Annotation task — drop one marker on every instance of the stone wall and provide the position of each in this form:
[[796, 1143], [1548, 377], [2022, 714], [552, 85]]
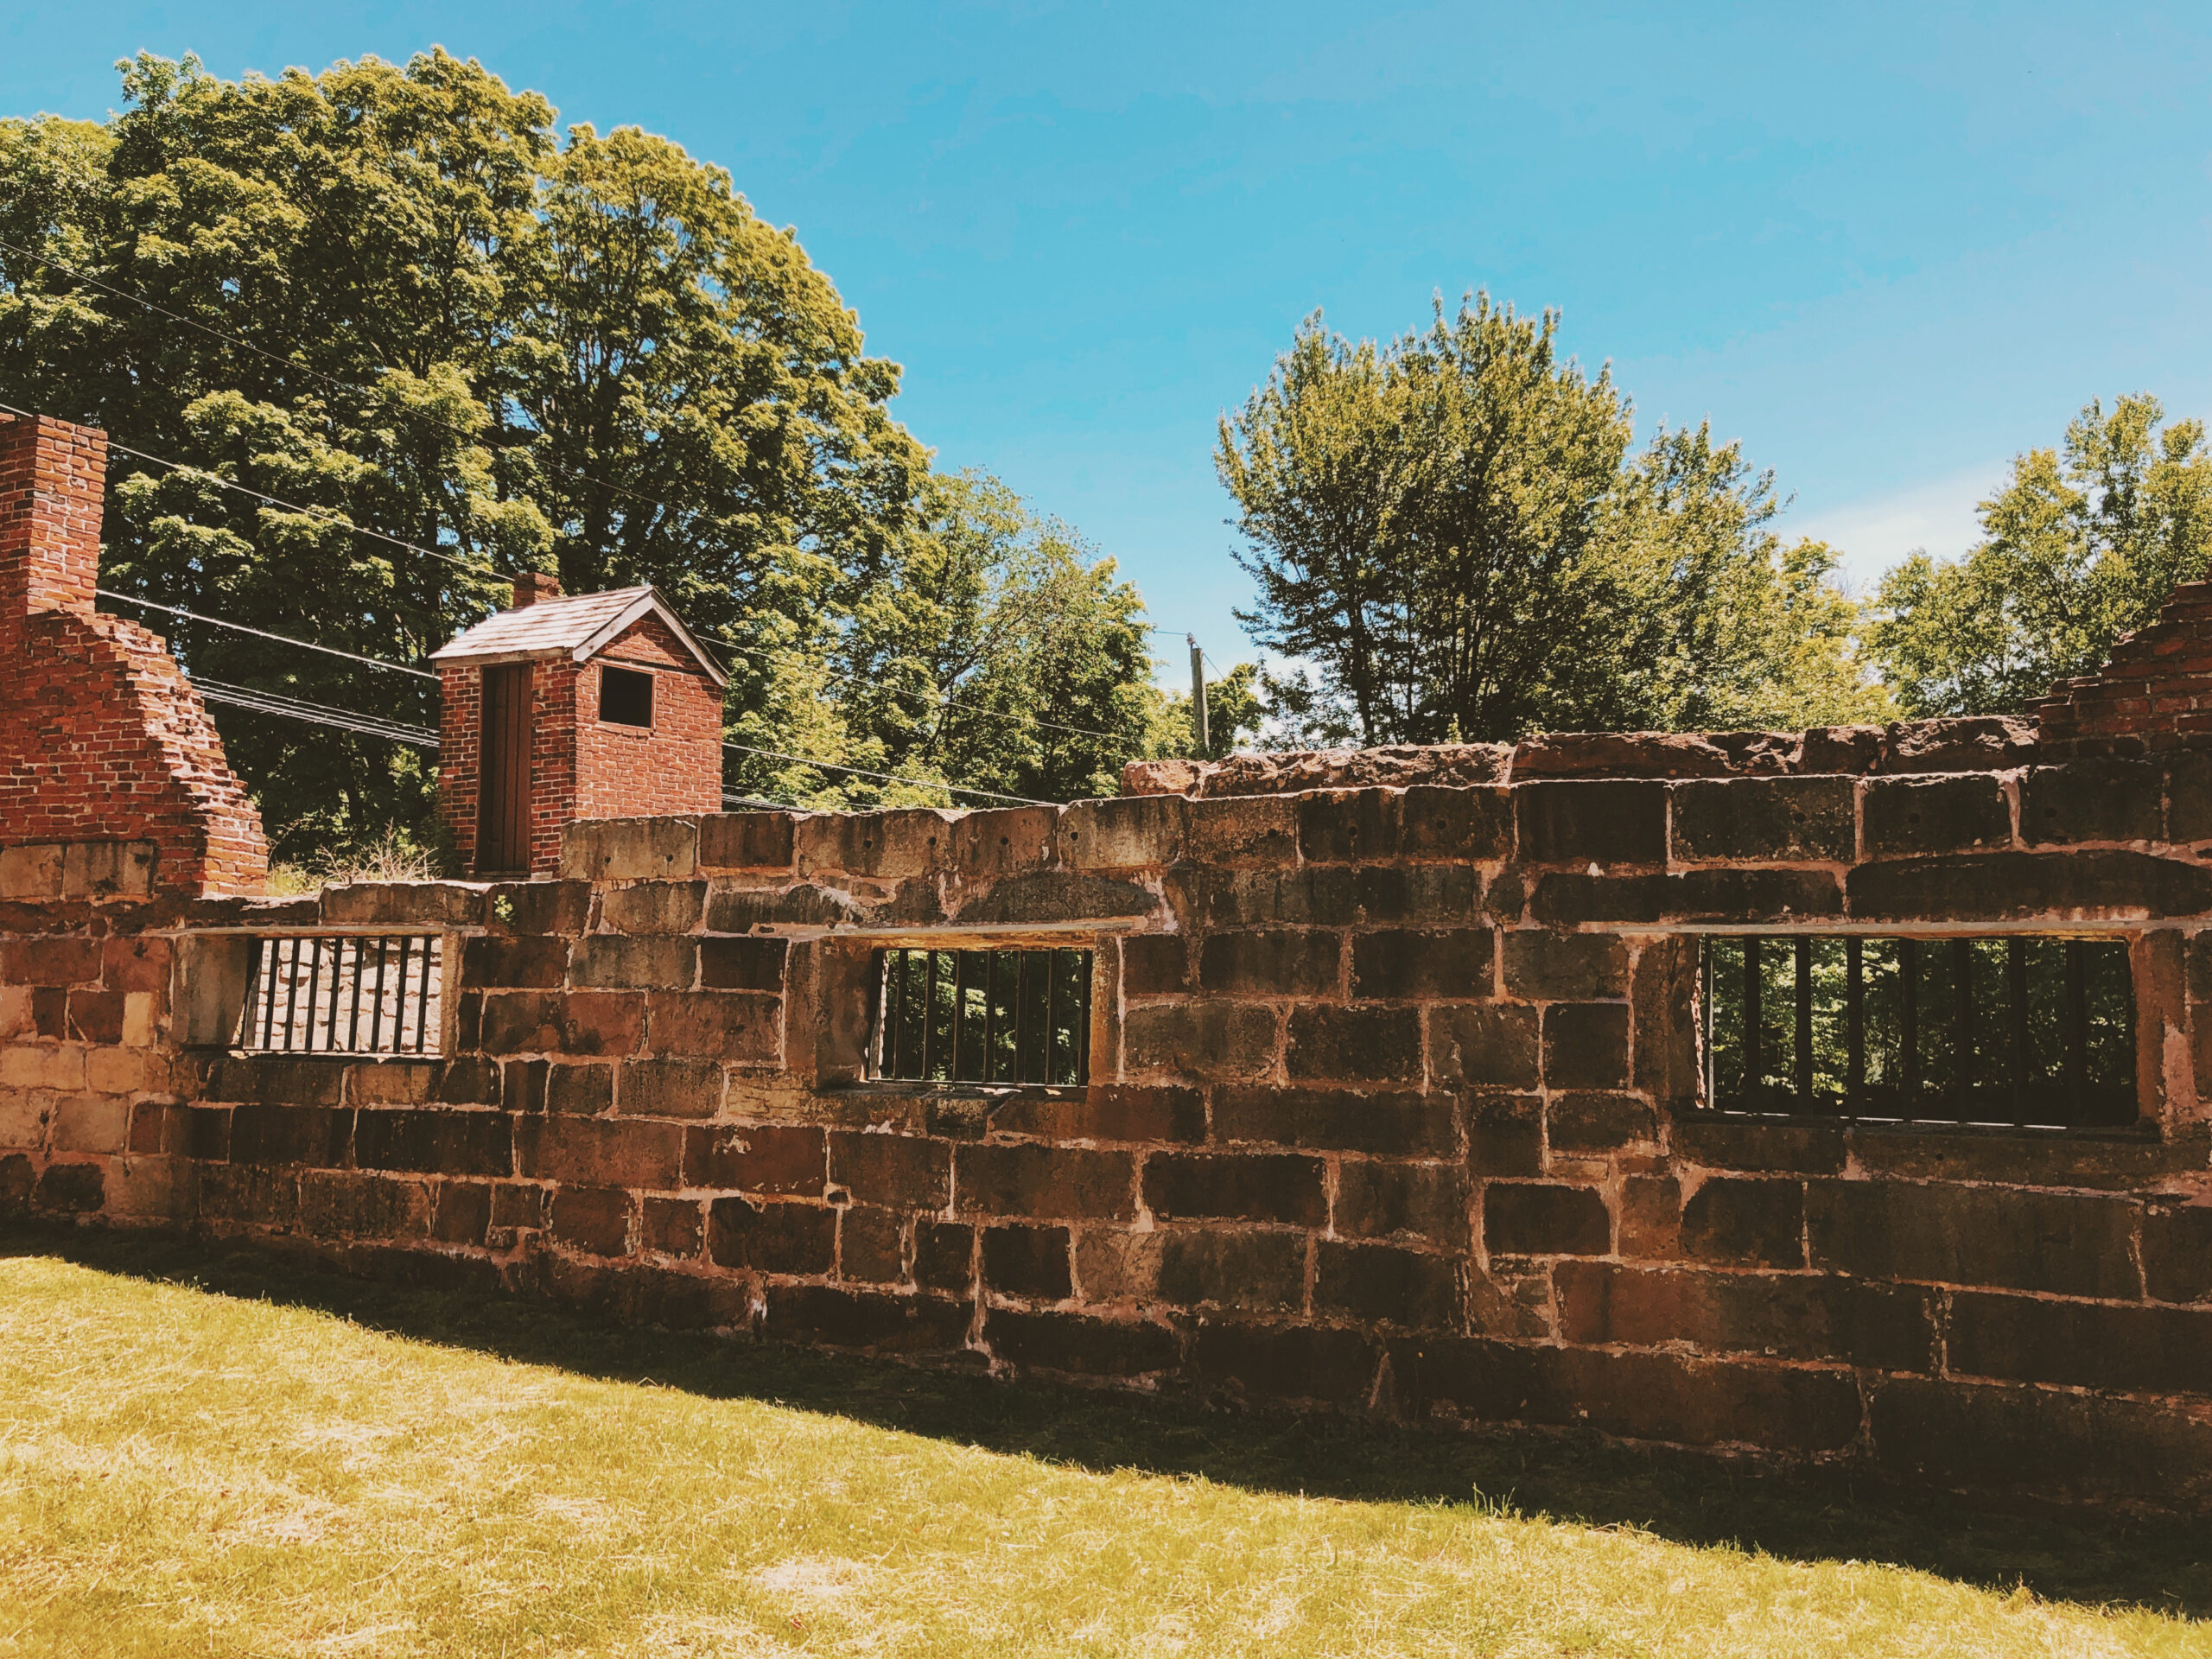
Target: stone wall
[[1394, 1104]]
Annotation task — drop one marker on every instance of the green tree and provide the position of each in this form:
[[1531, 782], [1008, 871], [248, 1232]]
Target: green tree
[[2081, 546], [393, 296], [1450, 537]]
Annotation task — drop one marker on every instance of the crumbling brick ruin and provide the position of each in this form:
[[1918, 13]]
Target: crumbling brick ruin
[[1831, 1095], [111, 776]]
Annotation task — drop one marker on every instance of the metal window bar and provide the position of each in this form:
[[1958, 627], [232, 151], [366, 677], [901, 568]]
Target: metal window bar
[[2036, 1033], [1015, 1016], [304, 995]]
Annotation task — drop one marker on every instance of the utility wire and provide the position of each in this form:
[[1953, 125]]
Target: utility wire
[[259, 633], [320, 714], [324, 513]]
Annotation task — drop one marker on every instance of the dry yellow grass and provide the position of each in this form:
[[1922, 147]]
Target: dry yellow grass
[[190, 1471]]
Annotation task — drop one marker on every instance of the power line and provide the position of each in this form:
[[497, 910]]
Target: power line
[[324, 513], [240, 627], [319, 714]]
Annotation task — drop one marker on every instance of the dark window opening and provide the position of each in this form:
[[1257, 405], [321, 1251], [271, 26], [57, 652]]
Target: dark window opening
[[982, 1016], [626, 696], [2017, 1030]]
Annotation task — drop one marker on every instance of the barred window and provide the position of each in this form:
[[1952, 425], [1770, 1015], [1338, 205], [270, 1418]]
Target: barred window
[[352, 995], [2020, 1029], [1008, 1016]]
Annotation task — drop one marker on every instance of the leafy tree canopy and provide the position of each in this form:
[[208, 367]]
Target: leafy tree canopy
[[397, 296], [2081, 545], [1452, 536]]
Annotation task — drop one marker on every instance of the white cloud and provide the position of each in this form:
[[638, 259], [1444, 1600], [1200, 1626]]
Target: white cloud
[[1872, 534]]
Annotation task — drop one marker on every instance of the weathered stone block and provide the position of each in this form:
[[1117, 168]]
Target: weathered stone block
[[1909, 817], [746, 840], [1595, 1120], [404, 903], [889, 846], [1079, 1345], [554, 1022], [1260, 1270], [771, 1237], [2079, 1344], [1505, 1133], [871, 1245], [1586, 1045], [1032, 1261], [1381, 1284], [94, 1124], [57, 959], [1433, 895], [1406, 1123], [944, 1255], [1002, 840], [901, 1172], [675, 1227], [668, 1088], [1200, 1040], [1573, 899], [742, 964], [461, 1212], [1133, 833], [1545, 1218], [1048, 1183], [1355, 1045], [539, 906], [1587, 822], [1435, 964], [1052, 896], [593, 1219], [1489, 1046], [1475, 826], [338, 1204], [1768, 820], [1251, 1186], [135, 963], [1314, 895], [716, 1025], [620, 961], [1975, 743], [877, 1321], [579, 1090], [1542, 965], [434, 1142], [1271, 1361], [654, 907], [2091, 800], [1155, 964], [1745, 1223], [537, 963], [1651, 1217], [630, 850], [611, 1152], [786, 1159], [1277, 962], [1105, 1111], [1718, 1142], [2177, 1253], [267, 1133], [95, 1016], [1257, 829], [1383, 1199], [736, 910], [2062, 1243], [31, 872], [1999, 887], [1348, 826]]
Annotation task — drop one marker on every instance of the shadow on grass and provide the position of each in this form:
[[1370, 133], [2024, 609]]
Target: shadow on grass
[[2161, 1565]]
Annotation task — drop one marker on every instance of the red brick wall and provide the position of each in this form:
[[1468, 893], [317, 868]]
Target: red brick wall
[[2154, 692], [101, 737], [580, 767]]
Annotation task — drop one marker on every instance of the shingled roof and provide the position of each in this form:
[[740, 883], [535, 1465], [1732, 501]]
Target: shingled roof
[[577, 627]]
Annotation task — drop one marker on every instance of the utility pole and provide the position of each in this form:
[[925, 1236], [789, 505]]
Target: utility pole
[[1198, 697]]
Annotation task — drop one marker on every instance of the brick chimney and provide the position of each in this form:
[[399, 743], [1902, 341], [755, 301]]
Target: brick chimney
[[534, 585], [53, 478]]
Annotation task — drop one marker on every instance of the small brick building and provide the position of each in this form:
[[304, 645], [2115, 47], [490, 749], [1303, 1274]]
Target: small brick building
[[600, 705], [112, 779]]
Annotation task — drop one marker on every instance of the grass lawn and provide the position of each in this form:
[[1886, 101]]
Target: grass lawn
[[202, 1453]]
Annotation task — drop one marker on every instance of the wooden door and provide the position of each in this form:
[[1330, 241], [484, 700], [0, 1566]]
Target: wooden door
[[502, 791]]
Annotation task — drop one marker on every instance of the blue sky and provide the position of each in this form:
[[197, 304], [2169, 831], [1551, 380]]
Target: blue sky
[[1886, 247]]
